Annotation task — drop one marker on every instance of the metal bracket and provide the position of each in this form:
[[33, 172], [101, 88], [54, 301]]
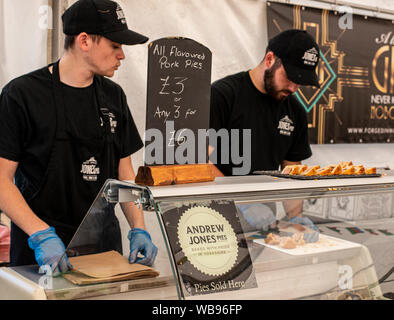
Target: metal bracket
[[117, 193]]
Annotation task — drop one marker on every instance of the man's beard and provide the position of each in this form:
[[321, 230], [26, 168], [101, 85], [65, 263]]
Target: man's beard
[[269, 83]]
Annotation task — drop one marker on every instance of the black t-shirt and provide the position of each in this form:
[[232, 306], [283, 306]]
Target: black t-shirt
[[82, 115], [279, 130], [28, 120]]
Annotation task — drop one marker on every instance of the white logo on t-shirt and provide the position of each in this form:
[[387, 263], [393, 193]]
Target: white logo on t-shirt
[[286, 126], [90, 170], [112, 122], [112, 119]]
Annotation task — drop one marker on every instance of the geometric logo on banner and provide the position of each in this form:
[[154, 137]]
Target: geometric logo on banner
[[329, 76]]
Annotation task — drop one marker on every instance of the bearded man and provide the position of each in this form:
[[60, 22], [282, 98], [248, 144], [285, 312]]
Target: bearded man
[[262, 101]]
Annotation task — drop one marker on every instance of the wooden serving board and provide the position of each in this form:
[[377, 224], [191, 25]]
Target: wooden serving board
[[174, 174]]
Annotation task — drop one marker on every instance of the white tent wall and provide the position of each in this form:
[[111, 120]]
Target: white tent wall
[[23, 37]]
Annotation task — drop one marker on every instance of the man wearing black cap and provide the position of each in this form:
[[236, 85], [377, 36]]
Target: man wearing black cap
[[65, 129], [261, 100]]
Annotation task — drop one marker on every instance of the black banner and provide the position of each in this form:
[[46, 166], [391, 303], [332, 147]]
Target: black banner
[[355, 102]]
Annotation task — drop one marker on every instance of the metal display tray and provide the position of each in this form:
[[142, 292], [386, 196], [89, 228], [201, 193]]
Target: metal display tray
[[276, 173]]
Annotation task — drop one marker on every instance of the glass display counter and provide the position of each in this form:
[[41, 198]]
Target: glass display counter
[[212, 241]]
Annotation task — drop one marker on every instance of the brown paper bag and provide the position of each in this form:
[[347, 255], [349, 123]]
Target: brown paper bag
[[106, 267]]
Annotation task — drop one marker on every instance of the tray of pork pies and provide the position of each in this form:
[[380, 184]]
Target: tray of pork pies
[[344, 169]]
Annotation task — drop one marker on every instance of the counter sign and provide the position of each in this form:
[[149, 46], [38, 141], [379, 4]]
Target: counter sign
[[208, 247], [208, 240]]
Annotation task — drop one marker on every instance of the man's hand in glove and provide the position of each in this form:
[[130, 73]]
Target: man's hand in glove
[[258, 215], [49, 250], [140, 241]]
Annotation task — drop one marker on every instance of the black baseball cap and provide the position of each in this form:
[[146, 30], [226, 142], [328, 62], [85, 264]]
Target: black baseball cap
[[101, 17], [300, 55]]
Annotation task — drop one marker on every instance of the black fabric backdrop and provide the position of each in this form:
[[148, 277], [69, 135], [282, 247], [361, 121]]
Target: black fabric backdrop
[[356, 100]]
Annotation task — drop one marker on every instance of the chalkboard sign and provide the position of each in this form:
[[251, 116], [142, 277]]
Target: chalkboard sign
[[178, 102]]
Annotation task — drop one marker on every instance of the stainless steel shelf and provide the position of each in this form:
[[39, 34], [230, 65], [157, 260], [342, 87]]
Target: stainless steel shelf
[[267, 188]]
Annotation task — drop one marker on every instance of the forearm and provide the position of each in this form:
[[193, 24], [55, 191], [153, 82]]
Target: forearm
[[293, 207], [15, 207], [134, 215]]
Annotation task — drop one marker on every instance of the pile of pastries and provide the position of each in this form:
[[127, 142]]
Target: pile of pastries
[[342, 168], [297, 239]]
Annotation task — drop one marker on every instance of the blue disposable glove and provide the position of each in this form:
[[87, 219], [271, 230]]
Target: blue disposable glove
[[140, 241], [49, 251], [258, 215]]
